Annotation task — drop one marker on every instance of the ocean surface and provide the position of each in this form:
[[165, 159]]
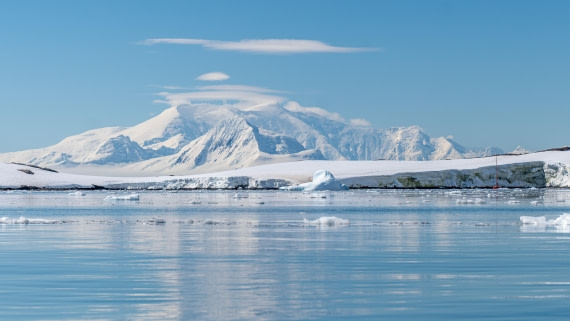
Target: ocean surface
[[274, 255]]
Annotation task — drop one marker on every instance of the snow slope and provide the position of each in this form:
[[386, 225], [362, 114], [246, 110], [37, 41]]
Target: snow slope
[[233, 143], [544, 169]]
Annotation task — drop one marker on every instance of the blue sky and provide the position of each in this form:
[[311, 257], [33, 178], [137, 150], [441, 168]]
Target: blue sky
[[489, 73]]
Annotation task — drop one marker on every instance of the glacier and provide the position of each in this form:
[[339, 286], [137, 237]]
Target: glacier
[[548, 169]]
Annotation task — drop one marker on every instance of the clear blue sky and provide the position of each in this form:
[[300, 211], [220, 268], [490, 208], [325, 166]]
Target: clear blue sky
[[489, 73]]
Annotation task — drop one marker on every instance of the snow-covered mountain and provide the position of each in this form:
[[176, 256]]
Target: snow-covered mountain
[[233, 143], [190, 138]]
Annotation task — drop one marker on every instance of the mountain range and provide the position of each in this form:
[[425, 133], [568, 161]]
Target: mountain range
[[199, 138]]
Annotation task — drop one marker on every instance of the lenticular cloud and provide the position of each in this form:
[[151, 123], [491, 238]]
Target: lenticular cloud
[[213, 76], [266, 46]]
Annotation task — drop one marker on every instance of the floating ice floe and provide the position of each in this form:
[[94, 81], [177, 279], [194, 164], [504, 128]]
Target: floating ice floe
[[24, 221], [130, 197], [78, 193], [464, 200], [560, 223], [322, 181], [156, 221], [218, 222], [327, 221], [317, 195]]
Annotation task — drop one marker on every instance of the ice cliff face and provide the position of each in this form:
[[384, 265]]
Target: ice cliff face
[[557, 175], [531, 174], [546, 169]]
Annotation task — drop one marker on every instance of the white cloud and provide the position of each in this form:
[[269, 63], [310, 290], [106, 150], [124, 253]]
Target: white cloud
[[267, 46], [295, 107], [239, 88], [244, 98], [360, 122], [173, 87], [213, 76]]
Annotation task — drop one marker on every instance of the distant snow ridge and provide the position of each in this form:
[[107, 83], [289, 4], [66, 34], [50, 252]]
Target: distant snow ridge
[[201, 137], [322, 181]]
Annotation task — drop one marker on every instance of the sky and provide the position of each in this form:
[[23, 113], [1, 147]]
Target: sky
[[487, 73]]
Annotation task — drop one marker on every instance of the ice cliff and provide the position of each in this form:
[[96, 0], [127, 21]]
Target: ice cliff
[[545, 169]]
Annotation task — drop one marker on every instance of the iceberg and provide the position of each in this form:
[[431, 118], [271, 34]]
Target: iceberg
[[323, 180]]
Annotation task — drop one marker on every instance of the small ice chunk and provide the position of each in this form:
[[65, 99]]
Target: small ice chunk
[[78, 193], [25, 221], [327, 221], [218, 222], [532, 220], [130, 197], [563, 221], [157, 221], [317, 195], [480, 201], [464, 200]]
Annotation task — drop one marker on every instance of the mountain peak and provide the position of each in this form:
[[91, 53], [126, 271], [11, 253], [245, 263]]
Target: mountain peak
[[207, 136], [119, 149], [234, 142]]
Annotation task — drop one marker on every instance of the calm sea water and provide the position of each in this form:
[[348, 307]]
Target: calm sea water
[[402, 255]]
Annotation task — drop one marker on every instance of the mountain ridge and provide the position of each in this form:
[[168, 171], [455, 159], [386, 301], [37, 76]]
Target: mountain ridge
[[267, 133]]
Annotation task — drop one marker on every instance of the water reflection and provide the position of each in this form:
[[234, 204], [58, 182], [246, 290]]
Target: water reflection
[[180, 256]]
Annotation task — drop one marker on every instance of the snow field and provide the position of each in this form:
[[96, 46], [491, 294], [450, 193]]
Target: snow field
[[545, 169]]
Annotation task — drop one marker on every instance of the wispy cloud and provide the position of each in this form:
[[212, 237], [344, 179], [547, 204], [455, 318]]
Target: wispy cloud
[[245, 88], [239, 96], [295, 107], [265, 46], [213, 76], [360, 122], [243, 97]]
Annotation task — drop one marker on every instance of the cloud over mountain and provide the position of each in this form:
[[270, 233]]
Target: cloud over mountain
[[224, 127]]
